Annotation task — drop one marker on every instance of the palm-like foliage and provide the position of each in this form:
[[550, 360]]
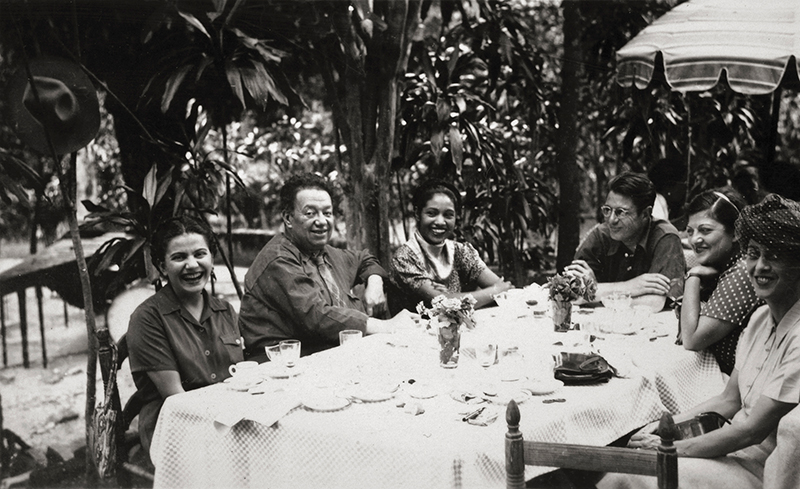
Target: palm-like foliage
[[467, 114]]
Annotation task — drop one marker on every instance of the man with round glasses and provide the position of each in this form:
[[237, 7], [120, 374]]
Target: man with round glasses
[[631, 252]]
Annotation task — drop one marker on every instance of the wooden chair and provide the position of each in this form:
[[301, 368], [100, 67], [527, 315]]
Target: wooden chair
[[663, 463], [113, 336]]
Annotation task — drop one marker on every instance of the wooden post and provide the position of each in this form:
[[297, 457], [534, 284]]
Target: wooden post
[[23, 326], [515, 461], [66, 314], [3, 329], [667, 456], [41, 324]]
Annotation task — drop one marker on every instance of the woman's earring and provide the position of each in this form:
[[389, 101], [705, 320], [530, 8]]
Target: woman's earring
[[213, 276]]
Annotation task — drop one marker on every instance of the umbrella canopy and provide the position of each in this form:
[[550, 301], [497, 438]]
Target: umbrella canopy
[[756, 43]]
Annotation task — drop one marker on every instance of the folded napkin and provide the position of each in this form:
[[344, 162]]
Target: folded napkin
[[265, 412]]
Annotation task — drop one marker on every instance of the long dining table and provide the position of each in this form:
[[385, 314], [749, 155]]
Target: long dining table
[[381, 412]]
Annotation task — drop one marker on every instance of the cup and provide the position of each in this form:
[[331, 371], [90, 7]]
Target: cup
[[273, 353], [349, 335], [290, 352], [486, 354], [243, 369]]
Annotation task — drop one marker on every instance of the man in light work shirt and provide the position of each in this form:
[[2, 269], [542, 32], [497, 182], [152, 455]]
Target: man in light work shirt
[[631, 252], [300, 287]]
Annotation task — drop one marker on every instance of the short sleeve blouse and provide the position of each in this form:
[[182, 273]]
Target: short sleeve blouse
[[732, 300], [410, 272]]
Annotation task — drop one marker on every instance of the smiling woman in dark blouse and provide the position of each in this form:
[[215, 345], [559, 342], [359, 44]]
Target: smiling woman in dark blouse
[[181, 338], [431, 262]]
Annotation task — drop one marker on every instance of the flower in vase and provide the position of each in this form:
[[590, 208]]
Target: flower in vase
[[568, 287], [445, 311]]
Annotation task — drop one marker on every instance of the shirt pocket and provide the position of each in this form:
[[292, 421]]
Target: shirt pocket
[[233, 345]]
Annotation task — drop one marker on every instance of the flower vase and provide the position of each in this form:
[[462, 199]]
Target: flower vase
[[449, 343], [562, 316]]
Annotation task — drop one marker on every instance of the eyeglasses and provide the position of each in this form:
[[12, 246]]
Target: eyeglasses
[[753, 253], [619, 212]]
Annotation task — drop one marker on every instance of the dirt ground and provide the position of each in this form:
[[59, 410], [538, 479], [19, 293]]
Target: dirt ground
[[45, 406]]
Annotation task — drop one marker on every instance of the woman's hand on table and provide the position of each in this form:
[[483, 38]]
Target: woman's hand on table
[[646, 437], [501, 285], [402, 320]]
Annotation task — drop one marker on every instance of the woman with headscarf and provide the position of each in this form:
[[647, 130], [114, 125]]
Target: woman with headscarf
[[431, 263], [717, 294], [765, 382]]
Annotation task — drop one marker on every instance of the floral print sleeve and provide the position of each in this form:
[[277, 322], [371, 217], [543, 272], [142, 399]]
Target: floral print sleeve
[[468, 263], [407, 270]]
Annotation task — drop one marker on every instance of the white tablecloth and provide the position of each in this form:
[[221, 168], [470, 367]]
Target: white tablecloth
[[378, 444]]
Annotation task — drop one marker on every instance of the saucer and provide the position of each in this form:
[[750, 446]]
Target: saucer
[[543, 387], [421, 391], [242, 386], [505, 396], [283, 372], [366, 394], [324, 403]]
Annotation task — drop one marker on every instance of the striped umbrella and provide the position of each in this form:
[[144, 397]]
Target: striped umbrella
[[755, 43]]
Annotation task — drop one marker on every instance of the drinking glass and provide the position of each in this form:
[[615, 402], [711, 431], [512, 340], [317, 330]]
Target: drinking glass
[[290, 352], [486, 354], [349, 335], [273, 353]]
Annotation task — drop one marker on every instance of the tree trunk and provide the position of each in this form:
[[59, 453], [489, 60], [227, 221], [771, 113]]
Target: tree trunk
[[566, 143], [67, 191]]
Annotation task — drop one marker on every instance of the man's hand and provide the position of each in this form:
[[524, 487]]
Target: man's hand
[[648, 284], [580, 267], [374, 297], [403, 320]]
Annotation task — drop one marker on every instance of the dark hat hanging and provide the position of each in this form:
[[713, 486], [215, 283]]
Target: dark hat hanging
[[67, 106]]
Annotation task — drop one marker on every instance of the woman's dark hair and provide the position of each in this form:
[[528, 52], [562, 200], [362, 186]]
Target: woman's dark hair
[[177, 226], [724, 205], [635, 186], [429, 188], [296, 183]]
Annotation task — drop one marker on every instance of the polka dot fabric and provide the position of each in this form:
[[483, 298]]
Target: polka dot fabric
[[774, 223], [731, 301]]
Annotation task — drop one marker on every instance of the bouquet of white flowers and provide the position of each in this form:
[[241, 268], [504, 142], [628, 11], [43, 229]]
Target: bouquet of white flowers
[[447, 316]]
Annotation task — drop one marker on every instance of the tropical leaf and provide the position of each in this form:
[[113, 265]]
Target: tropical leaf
[[150, 186], [194, 22], [173, 84]]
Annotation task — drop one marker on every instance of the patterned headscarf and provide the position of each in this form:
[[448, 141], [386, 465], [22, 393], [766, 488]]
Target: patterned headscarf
[[774, 223]]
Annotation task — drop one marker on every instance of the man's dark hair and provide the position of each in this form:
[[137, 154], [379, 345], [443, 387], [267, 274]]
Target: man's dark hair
[[429, 188], [296, 183], [635, 186], [177, 226]]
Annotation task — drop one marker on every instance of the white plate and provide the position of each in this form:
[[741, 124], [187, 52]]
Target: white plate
[[505, 396], [543, 387], [325, 403], [369, 395], [419, 390]]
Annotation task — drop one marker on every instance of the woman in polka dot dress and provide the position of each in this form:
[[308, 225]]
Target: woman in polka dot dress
[[718, 297]]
